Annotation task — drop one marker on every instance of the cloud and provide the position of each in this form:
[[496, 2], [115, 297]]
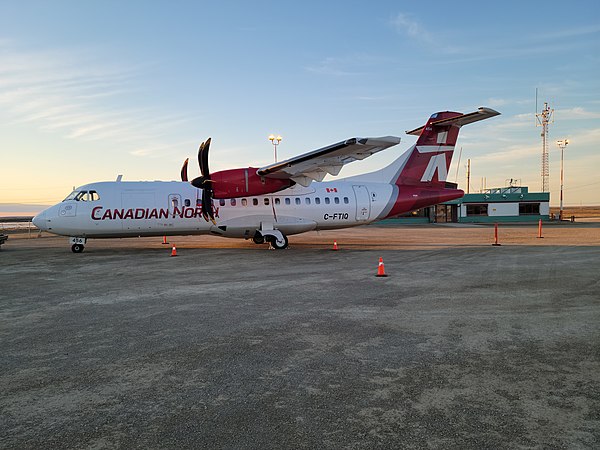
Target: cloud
[[406, 24], [333, 67], [70, 93], [576, 114], [355, 64]]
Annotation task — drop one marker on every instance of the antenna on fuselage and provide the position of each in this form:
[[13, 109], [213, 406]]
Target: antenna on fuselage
[[119, 178]]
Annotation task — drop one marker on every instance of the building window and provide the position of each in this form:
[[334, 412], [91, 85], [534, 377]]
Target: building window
[[526, 209], [477, 210]]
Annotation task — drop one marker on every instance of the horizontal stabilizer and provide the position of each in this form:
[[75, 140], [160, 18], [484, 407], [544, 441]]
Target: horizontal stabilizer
[[464, 119]]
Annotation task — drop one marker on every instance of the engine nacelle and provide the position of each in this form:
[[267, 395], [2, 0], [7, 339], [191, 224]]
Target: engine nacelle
[[234, 183]]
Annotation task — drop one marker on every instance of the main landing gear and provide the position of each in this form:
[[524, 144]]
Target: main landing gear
[[275, 238]]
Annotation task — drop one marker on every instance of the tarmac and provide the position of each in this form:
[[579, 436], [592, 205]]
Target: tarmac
[[229, 345]]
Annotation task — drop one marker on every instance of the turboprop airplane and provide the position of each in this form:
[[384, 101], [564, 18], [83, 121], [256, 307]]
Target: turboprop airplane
[[269, 203]]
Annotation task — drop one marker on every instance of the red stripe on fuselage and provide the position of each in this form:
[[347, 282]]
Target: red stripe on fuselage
[[411, 198]]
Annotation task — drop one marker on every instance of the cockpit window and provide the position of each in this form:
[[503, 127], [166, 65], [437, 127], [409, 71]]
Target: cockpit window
[[83, 196], [71, 196]]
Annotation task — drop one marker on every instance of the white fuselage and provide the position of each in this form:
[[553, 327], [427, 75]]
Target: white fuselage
[[156, 208]]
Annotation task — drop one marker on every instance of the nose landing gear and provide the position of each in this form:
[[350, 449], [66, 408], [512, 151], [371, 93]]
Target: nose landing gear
[[77, 244]]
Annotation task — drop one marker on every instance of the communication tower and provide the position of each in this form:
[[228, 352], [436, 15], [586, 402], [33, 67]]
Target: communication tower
[[544, 118]]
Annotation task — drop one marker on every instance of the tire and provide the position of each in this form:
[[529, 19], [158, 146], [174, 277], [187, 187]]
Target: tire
[[258, 238], [277, 246], [77, 248]]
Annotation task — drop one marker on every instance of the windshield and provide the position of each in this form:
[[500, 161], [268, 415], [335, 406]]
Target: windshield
[[71, 196], [83, 196]]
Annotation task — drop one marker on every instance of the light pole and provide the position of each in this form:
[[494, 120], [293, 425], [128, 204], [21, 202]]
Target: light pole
[[561, 144], [275, 140]]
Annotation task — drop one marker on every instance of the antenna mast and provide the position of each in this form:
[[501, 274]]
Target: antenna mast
[[544, 118]]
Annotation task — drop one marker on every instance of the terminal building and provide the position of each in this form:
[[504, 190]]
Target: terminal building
[[505, 204]]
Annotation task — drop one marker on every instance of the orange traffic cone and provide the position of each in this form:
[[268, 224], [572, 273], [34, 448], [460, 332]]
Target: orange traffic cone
[[335, 247], [165, 240], [381, 268], [173, 251]]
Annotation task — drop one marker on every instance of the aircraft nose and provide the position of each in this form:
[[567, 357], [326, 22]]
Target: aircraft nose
[[40, 220]]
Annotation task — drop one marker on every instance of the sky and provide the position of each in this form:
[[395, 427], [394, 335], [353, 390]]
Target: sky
[[93, 89]]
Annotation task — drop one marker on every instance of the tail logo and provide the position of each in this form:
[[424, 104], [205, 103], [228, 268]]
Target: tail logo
[[436, 163]]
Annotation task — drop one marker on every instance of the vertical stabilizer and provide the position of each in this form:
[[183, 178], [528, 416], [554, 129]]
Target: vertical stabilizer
[[430, 158]]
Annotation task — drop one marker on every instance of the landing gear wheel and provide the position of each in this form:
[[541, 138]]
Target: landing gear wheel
[[279, 246], [77, 248], [258, 238]]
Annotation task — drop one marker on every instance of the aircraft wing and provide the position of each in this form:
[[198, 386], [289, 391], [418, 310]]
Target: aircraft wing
[[315, 165]]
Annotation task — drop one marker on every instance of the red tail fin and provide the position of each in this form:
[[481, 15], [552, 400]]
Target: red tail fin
[[430, 159]]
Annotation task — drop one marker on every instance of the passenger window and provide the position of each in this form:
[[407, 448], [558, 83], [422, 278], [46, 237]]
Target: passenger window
[[336, 200], [346, 201], [222, 202], [287, 201], [233, 202], [244, 202], [267, 201], [187, 202], [318, 200], [255, 201], [327, 201], [297, 201], [277, 200], [307, 201]]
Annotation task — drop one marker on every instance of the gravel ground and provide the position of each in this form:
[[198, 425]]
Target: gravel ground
[[464, 345]]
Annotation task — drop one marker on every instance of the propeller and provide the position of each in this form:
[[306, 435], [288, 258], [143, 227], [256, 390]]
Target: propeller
[[203, 181]]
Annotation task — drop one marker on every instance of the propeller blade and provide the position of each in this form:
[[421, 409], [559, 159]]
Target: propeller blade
[[204, 182], [200, 152], [203, 158], [184, 174], [207, 206]]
